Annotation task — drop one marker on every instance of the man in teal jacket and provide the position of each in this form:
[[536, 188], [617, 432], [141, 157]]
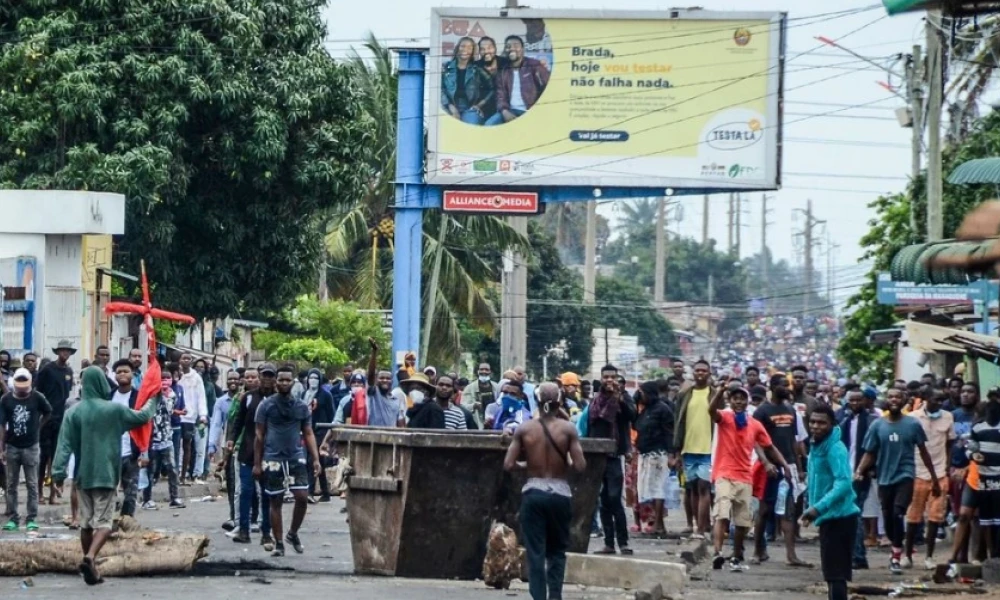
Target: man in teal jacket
[[92, 432], [831, 500]]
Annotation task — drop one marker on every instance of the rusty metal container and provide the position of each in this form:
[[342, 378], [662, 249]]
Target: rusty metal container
[[421, 502]]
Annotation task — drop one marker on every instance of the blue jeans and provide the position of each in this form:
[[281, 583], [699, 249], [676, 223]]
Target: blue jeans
[[177, 448], [497, 119], [861, 489], [248, 489], [471, 116]]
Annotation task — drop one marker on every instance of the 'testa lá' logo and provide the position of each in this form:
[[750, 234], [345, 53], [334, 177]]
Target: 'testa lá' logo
[[742, 36], [735, 136]]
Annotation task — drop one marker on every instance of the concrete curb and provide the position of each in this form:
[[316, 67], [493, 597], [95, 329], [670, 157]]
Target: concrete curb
[[625, 573]]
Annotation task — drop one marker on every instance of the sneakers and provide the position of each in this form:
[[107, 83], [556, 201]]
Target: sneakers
[[325, 499], [930, 564], [718, 561], [952, 571], [149, 505], [243, 537], [268, 543], [199, 481], [10, 526], [229, 525], [907, 562], [279, 551], [31, 526], [736, 565], [254, 528], [860, 565], [177, 503], [894, 566], [293, 539]]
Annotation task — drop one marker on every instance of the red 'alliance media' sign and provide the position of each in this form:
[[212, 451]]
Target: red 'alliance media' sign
[[507, 203]]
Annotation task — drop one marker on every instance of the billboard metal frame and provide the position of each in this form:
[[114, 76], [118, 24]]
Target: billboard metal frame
[[773, 115]]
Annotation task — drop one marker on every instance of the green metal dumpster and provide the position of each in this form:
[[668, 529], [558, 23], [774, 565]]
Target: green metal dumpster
[[421, 502]]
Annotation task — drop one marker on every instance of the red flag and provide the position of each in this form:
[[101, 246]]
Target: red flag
[[149, 389], [359, 408]]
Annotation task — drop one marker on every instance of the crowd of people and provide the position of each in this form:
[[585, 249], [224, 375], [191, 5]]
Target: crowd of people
[[758, 454]]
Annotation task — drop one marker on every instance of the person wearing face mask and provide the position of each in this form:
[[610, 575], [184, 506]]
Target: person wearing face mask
[[939, 426], [320, 402], [737, 434], [426, 412], [513, 410], [480, 393], [161, 447]]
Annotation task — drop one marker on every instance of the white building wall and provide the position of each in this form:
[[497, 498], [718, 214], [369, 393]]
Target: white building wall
[[13, 245]]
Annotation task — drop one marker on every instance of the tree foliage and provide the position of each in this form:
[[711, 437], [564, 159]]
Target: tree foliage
[[624, 305], [226, 125], [316, 352], [890, 231]]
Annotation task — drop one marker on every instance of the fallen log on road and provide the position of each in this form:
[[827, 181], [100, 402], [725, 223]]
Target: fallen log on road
[[131, 554]]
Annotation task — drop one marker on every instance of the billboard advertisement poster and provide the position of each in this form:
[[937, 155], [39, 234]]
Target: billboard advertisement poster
[[677, 98]]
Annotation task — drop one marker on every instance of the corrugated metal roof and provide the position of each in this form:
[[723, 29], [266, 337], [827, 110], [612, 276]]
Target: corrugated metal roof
[[979, 170], [894, 7]]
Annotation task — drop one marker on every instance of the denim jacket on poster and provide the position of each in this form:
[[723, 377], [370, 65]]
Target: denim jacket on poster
[[478, 85]]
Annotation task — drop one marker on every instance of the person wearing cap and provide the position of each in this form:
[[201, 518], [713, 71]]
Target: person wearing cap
[[241, 438], [425, 412], [737, 435], [357, 384], [23, 412], [55, 382], [570, 383], [481, 393]]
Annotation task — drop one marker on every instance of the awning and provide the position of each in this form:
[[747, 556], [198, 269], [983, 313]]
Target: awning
[[952, 8], [933, 338], [977, 170]]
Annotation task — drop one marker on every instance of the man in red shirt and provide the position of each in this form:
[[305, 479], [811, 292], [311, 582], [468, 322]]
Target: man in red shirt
[[737, 434]]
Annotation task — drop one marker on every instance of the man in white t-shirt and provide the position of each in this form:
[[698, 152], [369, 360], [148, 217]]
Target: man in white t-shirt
[[125, 394]]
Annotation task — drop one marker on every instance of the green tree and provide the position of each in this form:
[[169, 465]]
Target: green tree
[[624, 305], [559, 325], [358, 240], [890, 231], [227, 126], [567, 223], [315, 352]]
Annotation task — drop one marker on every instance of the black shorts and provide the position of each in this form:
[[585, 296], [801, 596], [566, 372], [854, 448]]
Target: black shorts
[[282, 476], [986, 501], [187, 431]]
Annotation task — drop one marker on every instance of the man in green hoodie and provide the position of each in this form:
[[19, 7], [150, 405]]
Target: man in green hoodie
[[93, 432], [831, 500]]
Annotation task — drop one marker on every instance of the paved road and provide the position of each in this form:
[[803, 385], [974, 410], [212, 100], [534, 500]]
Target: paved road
[[241, 571]]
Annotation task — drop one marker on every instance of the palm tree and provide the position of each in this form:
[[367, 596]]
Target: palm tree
[[359, 241], [638, 216]]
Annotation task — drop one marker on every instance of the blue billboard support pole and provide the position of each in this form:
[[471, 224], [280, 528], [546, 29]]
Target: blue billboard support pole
[[410, 194]]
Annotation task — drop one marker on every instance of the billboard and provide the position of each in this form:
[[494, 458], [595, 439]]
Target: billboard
[[677, 98]]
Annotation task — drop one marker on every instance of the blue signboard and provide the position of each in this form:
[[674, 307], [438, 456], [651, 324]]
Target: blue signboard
[[904, 292]]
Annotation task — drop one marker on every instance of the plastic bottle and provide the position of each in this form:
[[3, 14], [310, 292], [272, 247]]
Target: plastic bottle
[[143, 478], [672, 492], [779, 504]]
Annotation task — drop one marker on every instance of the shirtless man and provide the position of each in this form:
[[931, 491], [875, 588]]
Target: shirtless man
[[551, 446]]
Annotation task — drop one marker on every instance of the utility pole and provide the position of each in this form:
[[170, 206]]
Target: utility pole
[[915, 91], [590, 253], [732, 203], [659, 274], [935, 81], [765, 257], [831, 248], [809, 240], [704, 219], [739, 225]]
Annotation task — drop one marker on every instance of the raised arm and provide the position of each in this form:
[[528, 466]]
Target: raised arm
[[372, 361], [717, 402]]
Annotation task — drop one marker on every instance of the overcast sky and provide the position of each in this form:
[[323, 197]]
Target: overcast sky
[[828, 159]]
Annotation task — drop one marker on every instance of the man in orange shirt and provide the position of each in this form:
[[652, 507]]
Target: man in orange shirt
[[737, 434]]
